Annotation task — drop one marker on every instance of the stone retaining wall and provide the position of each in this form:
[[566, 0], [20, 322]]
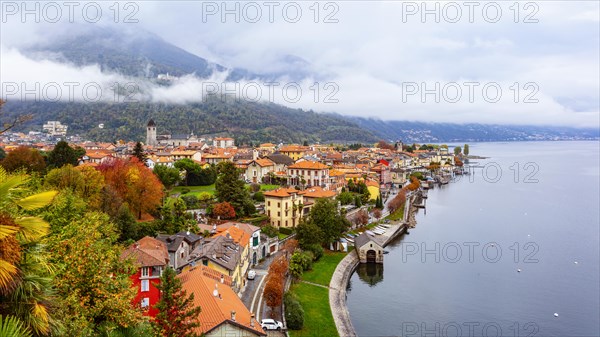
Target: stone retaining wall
[[337, 295]]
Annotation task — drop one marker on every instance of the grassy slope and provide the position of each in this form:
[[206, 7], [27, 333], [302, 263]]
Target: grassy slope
[[318, 320]]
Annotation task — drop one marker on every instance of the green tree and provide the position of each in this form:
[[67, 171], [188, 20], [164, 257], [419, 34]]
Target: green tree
[[61, 155], [139, 153], [308, 233], [327, 217], [125, 221], [168, 176], [345, 198], [294, 313], [466, 149], [177, 316], [457, 150], [230, 188], [2, 153]]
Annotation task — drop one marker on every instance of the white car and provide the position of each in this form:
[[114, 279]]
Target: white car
[[271, 324], [251, 274]]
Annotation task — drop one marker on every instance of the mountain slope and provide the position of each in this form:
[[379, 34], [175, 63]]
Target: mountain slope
[[446, 132], [132, 52], [247, 122]]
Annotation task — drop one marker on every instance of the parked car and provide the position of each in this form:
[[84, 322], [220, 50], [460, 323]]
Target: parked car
[[251, 274], [271, 324]]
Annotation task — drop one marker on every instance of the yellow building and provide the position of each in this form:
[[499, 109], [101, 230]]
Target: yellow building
[[373, 188], [293, 151], [285, 207]]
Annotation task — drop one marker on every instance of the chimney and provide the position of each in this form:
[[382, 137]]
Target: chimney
[[252, 319], [216, 291], [222, 278], [233, 315]]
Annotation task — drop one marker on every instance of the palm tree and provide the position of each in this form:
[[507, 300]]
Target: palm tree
[[25, 289], [12, 327]]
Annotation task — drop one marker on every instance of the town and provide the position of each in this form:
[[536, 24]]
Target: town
[[238, 237]]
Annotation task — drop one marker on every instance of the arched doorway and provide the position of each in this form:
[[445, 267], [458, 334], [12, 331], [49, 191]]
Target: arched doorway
[[254, 258], [264, 252], [371, 256]]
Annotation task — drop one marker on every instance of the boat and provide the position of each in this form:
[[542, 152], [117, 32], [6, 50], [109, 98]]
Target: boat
[[386, 252]]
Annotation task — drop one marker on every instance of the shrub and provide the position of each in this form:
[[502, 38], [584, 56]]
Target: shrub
[[254, 187], [294, 313], [191, 201], [269, 231], [185, 190], [316, 250], [286, 230], [258, 196]]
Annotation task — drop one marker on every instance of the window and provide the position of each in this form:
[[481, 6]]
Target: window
[[145, 285], [255, 241], [145, 302], [145, 271], [278, 205], [268, 203], [278, 213], [156, 271], [182, 254], [269, 213]]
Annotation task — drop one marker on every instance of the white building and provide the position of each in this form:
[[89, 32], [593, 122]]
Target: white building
[[55, 128]]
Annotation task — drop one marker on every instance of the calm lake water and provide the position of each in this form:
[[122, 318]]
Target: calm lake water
[[456, 274]]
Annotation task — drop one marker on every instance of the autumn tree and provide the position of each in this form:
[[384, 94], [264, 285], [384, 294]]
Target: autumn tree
[[61, 155], [177, 315], [90, 277], [85, 181], [398, 201], [134, 183], [382, 144], [229, 187], [224, 210], [361, 218], [139, 153], [377, 213], [24, 158], [273, 292]]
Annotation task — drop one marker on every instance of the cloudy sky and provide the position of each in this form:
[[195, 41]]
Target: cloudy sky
[[491, 62]]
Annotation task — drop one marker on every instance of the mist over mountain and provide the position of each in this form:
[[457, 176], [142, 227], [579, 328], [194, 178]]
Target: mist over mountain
[[139, 55]]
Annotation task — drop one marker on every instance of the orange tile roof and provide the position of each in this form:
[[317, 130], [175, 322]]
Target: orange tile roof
[[147, 252], [308, 165], [293, 148], [239, 236], [281, 192], [216, 310], [264, 162], [336, 173], [318, 192]]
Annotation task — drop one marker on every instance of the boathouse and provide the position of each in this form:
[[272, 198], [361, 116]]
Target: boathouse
[[368, 248]]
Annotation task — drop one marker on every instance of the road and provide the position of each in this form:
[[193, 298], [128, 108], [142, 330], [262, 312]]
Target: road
[[252, 296]]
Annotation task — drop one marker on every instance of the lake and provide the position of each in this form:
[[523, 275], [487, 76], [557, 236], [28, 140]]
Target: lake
[[496, 253]]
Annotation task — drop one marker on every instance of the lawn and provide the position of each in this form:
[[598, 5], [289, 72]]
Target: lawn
[[195, 190], [397, 215], [324, 268], [267, 187], [318, 320]]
